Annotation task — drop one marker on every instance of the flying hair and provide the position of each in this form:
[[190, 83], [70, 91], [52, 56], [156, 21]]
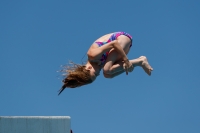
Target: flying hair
[[75, 75]]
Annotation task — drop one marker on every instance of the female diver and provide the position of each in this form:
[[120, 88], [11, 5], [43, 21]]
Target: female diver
[[107, 53]]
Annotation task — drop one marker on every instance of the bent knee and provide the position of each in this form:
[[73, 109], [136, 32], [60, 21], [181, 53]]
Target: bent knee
[[107, 71], [108, 75]]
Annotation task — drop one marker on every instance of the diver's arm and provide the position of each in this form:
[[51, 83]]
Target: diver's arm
[[95, 52]]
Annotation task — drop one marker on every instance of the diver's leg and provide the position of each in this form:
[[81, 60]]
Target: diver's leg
[[117, 68]]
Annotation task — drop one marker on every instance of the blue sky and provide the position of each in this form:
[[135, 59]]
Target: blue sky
[[37, 37]]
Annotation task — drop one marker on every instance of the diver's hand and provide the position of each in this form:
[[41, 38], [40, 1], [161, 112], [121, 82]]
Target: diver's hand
[[128, 67]]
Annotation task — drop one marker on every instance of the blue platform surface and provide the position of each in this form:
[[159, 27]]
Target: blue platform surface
[[35, 124]]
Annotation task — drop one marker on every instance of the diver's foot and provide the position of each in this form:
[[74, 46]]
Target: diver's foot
[[145, 65]]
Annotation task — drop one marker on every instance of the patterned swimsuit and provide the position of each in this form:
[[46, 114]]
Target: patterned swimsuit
[[112, 38]]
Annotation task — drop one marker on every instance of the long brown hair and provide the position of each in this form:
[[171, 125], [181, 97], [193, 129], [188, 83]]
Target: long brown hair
[[75, 76]]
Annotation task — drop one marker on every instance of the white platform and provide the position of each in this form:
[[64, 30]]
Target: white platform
[[35, 124]]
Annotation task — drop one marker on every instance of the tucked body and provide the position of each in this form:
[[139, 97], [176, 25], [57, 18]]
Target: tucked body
[[107, 53]]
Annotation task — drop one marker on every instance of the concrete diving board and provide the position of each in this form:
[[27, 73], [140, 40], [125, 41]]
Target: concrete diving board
[[35, 124]]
